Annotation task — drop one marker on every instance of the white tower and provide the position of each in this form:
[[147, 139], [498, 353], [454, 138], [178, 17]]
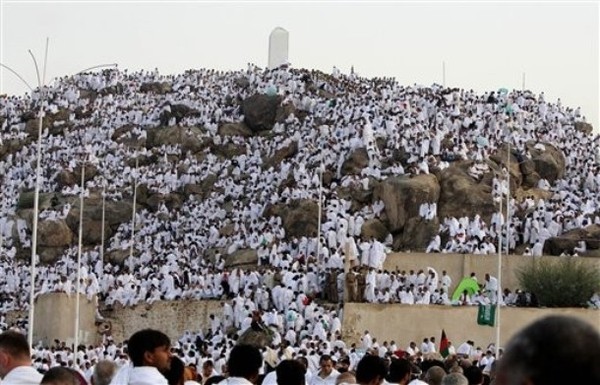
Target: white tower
[[278, 47]]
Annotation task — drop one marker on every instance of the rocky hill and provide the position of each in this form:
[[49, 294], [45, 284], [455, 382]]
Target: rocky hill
[[225, 157]]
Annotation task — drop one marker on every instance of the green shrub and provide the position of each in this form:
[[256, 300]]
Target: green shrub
[[563, 283]]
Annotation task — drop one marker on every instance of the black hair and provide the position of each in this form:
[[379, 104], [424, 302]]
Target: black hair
[[143, 341], [290, 372], [369, 368], [244, 361], [61, 375], [175, 373], [399, 368], [15, 344]]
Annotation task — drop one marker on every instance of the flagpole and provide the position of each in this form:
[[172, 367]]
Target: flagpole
[[499, 273], [103, 219], [133, 209], [79, 247]]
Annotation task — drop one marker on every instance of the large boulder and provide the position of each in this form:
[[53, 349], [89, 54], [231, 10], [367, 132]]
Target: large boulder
[[244, 259], [115, 214], [566, 242], [13, 145], [283, 153], [179, 112], [45, 200], [260, 111], [462, 195], [549, 163], [584, 127], [355, 162], [55, 123], [417, 234], [501, 159], [402, 196], [172, 201], [159, 88], [125, 135], [234, 129], [189, 138], [54, 233], [258, 339], [374, 228], [299, 217]]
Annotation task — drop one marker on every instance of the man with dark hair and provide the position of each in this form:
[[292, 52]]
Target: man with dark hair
[[150, 354], [60, 376], [555, 350], [244, 364], [474, 375], [327, 374], [290, 372], [15, 360], [399, 372], [370, 370]]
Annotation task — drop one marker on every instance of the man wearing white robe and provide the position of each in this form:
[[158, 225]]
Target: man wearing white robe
[[150, 354]]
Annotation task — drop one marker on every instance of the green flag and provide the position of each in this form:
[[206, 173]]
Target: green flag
[[486, 315]]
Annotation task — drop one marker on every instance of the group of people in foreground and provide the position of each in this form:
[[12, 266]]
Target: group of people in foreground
[[553, 350]]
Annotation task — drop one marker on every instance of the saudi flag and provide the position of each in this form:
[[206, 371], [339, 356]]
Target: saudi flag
[[486, 315]]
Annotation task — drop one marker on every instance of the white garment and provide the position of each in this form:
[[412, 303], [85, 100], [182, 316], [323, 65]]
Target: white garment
[[22, 375], [235, 381], [141, 375]]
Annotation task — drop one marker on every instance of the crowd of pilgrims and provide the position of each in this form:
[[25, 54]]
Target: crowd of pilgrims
[[168, 258]]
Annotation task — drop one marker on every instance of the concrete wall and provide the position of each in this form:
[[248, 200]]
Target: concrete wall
[[171, 317], [405, 323], [54, 318], [459, 266]]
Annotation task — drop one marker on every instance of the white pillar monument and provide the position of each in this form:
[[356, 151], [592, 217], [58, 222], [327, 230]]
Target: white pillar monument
[[278, 47]]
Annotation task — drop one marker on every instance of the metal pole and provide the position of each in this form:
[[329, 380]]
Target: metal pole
[[103, 216], [499, 275], [41, 86], [523, 85], [133, 209], [36, 194], [79, 247], [319, 215]]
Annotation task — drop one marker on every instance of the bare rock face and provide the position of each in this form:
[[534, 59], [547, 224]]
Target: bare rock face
[[299, 217], [115, 214], [549, 163], [355, 162], [179, 112], [566, 242], [462, 195], [280, 155], [260, 111], [374, 228], [125, 135], [159, 88], [190, 138], [244, 258], [417, 234], [234, 129], [258, 339], [54, 233], [403, 195], [584, 127], [55, 123]]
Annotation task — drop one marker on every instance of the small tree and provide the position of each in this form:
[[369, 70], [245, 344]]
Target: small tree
[[563, 283]]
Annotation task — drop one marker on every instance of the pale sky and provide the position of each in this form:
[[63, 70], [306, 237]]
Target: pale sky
[[485, 45]]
